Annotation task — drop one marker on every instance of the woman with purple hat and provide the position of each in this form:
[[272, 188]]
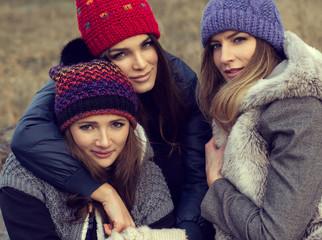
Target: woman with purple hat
[[95, 107], [263, 89], [126, 33]]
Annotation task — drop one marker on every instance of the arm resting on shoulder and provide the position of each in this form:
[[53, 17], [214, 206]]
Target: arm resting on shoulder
[[40, 147]]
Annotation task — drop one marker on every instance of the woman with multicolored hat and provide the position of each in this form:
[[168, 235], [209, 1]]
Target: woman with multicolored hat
[[263, 89], [95, 106], [126, 33]]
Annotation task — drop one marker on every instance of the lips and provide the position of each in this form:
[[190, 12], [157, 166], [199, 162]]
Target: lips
[[102, 154], [141, 78], [233, 72]]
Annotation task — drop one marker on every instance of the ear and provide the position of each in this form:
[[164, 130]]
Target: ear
[[75, 52]]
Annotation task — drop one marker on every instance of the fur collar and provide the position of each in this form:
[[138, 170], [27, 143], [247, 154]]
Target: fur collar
[[302, 77]]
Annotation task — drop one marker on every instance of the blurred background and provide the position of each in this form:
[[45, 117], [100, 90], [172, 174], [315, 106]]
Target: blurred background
[[33, 32]]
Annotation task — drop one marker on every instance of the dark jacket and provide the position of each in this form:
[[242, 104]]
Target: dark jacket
[[39, 146]]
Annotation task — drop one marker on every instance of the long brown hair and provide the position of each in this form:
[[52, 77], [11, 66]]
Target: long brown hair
[[220, 100], [122, 175], [163, 108]]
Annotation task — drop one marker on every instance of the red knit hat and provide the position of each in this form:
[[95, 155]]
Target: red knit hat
[[104, 23]]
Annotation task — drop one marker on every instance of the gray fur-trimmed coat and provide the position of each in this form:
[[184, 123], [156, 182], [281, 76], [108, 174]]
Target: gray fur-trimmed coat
[[273, 160]]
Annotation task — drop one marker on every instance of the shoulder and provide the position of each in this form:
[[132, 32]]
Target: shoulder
[[183, 74], [304, 108], [18, 177], [296, 115], [153, 199], [151, 174]]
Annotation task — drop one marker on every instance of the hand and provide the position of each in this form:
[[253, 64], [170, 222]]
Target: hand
[[214, 161], [114, 207]]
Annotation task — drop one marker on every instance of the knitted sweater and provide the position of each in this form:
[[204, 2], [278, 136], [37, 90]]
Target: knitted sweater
[[152, 203], [272, 162]]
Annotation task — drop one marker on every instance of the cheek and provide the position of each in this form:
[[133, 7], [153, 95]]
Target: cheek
[[81, 139], [121, 138], [217, 62], [250, 50], [124, 66], [153, 57]]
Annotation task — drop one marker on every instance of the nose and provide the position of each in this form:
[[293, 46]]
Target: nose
[[103, 140], [139, 61], [226, 54]]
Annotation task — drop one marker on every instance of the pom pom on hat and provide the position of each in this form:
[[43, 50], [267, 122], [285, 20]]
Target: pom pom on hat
[[104, 23], [259, 18], [92, 88]]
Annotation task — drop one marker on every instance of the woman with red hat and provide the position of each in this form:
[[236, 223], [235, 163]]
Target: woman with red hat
[[126, 33]]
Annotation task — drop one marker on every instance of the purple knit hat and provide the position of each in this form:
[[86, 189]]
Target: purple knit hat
[[259, 18], [92, 88]]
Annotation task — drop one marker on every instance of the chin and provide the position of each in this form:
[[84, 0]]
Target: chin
[[144, 89]]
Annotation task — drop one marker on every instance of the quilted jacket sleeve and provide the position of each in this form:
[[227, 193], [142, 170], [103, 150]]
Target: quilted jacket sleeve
[[197, 133], [40, 147]]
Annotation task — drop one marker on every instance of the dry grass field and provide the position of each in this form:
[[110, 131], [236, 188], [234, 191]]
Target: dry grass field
[[32, 33]]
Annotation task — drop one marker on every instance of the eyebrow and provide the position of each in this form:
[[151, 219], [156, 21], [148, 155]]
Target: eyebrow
[[123, 49], [85, 122], [229, 36]]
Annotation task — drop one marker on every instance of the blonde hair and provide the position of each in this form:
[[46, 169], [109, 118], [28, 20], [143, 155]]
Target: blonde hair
[[220, 100]]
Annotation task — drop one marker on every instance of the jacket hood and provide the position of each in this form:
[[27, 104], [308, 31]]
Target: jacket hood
[[302, 76], [147, 151]]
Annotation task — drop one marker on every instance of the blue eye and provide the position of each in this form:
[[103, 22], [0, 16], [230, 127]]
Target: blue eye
[[215, 46], [239, 39]]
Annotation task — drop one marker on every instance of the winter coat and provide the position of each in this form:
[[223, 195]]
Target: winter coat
[[273, 160], [48, 158], [153, 201]]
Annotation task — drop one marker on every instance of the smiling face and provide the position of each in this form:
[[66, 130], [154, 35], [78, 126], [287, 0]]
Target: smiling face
[[232, 51], [101, 137], [137, 59]]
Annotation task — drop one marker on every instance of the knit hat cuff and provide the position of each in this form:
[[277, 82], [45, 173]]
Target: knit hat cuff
[[260, 19], [105, 104], [105, 23], [100, 42], [229, 19]]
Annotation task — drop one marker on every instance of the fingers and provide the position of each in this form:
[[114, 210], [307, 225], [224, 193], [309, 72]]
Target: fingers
[[118, 214], [108, 229], [117, 227]]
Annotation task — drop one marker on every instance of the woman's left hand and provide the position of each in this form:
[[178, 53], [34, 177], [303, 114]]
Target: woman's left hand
[[214, 161]]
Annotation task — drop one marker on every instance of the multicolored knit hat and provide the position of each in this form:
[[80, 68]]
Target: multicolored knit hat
[[92, 88], [104, 23], [259, 18]]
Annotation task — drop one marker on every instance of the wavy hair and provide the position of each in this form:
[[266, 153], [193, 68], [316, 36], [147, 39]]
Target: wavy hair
[[163, 108]]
